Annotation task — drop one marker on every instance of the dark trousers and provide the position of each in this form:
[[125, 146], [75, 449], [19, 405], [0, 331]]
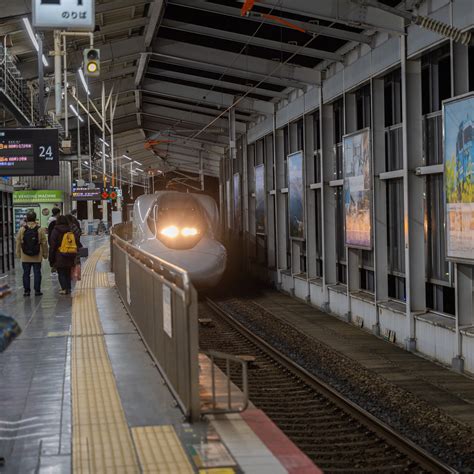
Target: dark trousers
[[64, 276], [26, 276]]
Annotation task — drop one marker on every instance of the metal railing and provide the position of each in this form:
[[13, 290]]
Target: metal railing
[[213, 355], [163, 304]]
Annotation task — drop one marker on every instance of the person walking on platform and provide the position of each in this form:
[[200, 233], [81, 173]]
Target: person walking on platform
[[63, 252], [31, 248]]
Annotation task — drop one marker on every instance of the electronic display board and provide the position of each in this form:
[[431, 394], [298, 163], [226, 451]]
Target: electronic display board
[[86, 193], [29, 152]]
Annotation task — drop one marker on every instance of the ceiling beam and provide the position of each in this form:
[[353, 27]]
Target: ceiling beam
[[253, 65], [193, 117], [229, 71], [114, 5], [155, 16], [209, 82], [193, 108], [179, 91], [253, 41], [235, 13]]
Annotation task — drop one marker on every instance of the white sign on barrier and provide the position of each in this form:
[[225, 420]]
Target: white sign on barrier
[[127, 279], [167, 318], [77, 15]]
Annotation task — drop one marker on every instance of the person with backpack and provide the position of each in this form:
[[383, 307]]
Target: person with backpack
[[31, 248], [63, 252]]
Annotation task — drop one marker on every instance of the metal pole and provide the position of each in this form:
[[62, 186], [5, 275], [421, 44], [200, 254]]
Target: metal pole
[[40, 79], [57, 71], [79, 160], [66, 115], [104, 164]]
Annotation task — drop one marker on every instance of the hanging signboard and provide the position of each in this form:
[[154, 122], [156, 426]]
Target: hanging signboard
[[260, 199], [296, 195], [77, 15], [458, 133], [358, 190], [29, 152], [85, 193]]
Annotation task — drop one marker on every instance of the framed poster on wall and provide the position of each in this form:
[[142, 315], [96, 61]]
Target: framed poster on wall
[[358, 189], [237, 203], [458, 151], [296, 195], [260, 199]]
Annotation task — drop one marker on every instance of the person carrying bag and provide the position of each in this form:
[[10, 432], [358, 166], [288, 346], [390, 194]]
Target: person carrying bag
[[63, 252]]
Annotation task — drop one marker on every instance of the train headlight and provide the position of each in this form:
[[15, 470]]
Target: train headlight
[[171, 231], [189, 232]]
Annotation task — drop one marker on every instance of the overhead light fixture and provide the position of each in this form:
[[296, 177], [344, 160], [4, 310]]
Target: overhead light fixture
[[127, 157], [33, 39], [104, 142], [138, 163], [139, 169], [74, 111], [86, 162], [83, 80]]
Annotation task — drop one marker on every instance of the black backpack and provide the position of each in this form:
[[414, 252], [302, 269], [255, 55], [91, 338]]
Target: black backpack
[[31, 241]]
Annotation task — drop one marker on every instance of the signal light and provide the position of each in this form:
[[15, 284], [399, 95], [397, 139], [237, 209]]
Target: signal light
[[105, 195], [113, 195], [92, 62]]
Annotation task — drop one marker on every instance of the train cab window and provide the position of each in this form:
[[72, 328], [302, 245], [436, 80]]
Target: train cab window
[[178, 221]]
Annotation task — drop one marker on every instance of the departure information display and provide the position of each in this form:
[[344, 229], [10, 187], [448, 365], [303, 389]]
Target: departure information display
[[29, 152], [86, 193]]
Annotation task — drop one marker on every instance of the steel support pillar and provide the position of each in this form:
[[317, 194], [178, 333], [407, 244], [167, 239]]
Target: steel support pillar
[[379, 220], [463, 274], [310, 208], [413, 193], [282, 228], [328, 199]]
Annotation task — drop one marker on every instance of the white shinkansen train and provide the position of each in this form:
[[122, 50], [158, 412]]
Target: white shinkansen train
[[181, 229]]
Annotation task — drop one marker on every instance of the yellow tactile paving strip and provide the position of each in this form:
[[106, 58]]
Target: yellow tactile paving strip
[[160, 450], [101, 438], [102, 442]]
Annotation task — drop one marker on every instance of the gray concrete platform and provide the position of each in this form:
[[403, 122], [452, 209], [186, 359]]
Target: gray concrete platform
[[441, 387]]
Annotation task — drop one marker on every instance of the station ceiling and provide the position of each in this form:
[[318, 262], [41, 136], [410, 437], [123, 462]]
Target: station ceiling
[[179, 65]]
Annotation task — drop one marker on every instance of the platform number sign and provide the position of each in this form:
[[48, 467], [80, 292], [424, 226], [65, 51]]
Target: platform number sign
[[65, 14], [29, 152]]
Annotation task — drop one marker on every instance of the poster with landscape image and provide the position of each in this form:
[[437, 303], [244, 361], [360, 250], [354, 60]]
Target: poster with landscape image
[[358, 190], [296, 195], [458, 132], [260, 199]]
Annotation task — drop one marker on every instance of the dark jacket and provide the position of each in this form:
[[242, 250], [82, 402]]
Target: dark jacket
[[55, 258], [50, 229]]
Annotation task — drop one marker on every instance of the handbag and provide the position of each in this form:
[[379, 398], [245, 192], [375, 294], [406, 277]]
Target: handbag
[[83, 252], [9, 330], [76, 273]]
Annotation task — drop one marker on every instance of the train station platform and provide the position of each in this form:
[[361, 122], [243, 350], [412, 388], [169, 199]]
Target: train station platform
[[440, 387], [80, 393]]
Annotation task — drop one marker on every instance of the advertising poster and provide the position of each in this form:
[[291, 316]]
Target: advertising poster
[[260, 199], [296, 195], [458, 131], [237, 203], [358, 190]]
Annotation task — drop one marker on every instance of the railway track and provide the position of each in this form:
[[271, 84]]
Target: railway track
[[335, 433]]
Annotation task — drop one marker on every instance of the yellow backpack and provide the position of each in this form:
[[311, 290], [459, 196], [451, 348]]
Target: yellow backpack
[[68, 245]]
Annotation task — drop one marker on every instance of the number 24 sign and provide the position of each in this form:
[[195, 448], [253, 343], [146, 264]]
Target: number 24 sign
[[77, 15]]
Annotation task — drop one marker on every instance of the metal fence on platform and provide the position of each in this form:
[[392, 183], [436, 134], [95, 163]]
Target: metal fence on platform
[[164, 306]]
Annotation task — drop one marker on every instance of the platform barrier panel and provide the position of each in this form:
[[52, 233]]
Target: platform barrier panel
[[163, 305]]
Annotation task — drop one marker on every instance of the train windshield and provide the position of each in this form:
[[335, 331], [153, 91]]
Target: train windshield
[[178, 220]]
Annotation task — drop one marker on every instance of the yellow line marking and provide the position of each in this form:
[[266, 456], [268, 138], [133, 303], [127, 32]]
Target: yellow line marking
[[160, 450], [101, 440]]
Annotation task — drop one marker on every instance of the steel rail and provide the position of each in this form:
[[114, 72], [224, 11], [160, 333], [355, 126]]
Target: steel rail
[[395, 439]]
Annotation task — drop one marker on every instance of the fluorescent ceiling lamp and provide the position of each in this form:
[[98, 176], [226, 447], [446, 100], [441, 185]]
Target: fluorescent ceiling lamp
[[139, 169], [83, 80], [104, 142], [75, 112], [127, 157], [33, 39], [86, 162], [137, 162]]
